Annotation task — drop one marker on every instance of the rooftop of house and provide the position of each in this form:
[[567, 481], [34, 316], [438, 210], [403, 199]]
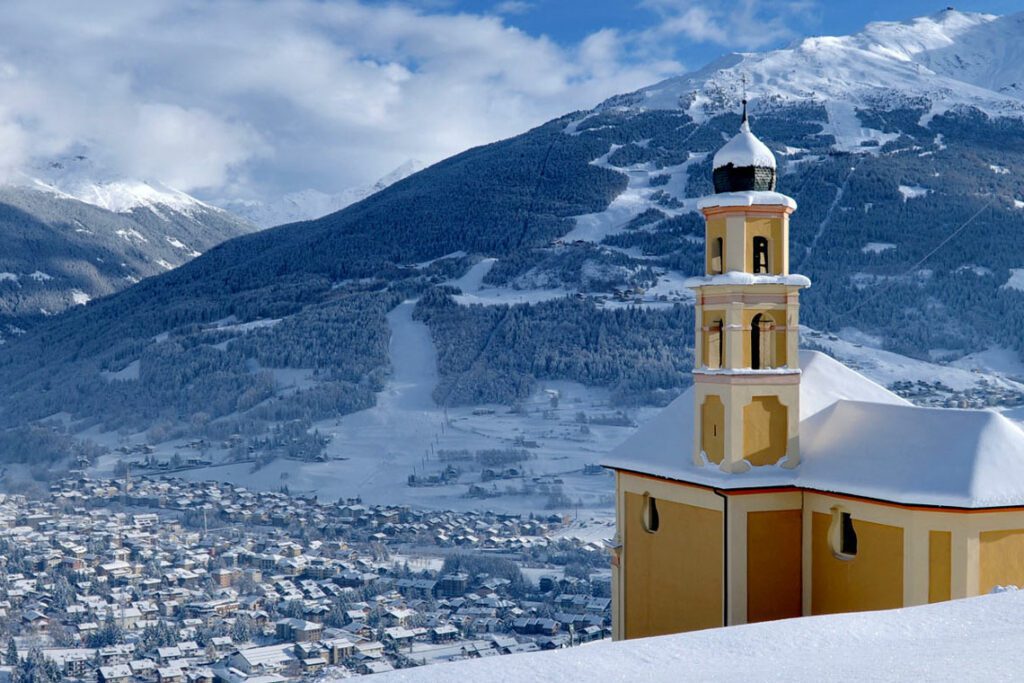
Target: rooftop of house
[[856, 438]]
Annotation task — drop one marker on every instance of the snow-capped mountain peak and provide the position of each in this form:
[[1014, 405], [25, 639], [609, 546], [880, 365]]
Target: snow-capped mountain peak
[[950, 58], [77, 177]]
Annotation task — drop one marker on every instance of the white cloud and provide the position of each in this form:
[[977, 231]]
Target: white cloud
[[743, 24], [513, 7], [237, 98]]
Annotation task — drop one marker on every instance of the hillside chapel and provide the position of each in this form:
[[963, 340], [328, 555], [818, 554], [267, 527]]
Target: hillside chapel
[[784, 483]]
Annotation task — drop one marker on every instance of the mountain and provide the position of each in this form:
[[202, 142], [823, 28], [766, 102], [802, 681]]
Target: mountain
[[68, 239], [901, 145], [308, 204], [950, 59]]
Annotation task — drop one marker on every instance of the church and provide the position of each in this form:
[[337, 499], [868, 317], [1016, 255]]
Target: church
[[783, 483]]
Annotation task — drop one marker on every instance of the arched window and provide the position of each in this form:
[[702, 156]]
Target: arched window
[[651, 520], [761, 255], [762, 342], [716, 345], [716, 256]]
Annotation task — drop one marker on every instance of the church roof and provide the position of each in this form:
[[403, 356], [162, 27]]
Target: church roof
[[744, 163], [744, 149], [857, 438]]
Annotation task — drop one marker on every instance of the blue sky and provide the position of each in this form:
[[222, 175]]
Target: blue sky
[[253, 99]]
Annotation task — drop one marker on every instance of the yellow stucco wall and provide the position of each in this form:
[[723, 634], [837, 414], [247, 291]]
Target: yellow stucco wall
[[712, 431], [1001, 559], [673, 578], [707, 348], [764, 430], [871, 580], [771, 228], [940, 565], [714, 228], [774, 565]]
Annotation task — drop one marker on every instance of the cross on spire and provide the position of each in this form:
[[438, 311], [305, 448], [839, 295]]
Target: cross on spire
[[744, 124]]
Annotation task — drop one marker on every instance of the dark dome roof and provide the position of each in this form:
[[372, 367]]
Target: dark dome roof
[[744, 163]]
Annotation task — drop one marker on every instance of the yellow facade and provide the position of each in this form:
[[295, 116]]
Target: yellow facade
[[775, 231], [871, 580], [673, 576], [772, 556], [774, 564], [713, 428], [1002, 559], [714, 231], [764, 430], [940, 562]]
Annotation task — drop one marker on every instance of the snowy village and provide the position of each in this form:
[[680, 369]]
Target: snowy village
[[502, 340]]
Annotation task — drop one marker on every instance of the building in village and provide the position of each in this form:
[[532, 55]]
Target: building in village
[[784, 483]]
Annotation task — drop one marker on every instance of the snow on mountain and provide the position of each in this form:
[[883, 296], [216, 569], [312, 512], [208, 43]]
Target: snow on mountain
[[951, 58], [74, 233], [78, 177], [975, 639], [308, 204]]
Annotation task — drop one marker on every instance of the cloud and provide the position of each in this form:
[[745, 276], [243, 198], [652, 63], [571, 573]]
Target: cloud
[[743, 24], [513, 7], [255, 99]]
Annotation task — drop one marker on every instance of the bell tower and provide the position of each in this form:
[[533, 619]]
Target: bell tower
[[746, 364]]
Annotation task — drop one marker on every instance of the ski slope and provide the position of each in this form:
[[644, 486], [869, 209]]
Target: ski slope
[[373, 452]]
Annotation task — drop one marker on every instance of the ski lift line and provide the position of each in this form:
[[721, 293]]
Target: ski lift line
[[963, 226]]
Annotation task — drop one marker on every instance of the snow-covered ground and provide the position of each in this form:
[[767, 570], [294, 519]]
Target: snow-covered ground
[[976, 639], [877, 247], [374, 451], [855, 349], [1016, 279], [636, 198], [474, 291], [913, 191]]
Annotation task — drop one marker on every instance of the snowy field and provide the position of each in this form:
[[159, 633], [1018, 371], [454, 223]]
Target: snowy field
[[373, 452], [976, 639]]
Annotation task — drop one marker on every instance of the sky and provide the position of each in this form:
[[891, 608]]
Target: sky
[[252, 99]]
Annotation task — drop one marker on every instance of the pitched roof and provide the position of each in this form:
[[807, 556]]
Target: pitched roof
[[858, 438]]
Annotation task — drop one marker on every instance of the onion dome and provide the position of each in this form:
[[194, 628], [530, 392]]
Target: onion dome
[[744, 163]]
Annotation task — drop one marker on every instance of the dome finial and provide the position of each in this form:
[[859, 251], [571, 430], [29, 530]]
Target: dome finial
[[744, 163], [744, 123]]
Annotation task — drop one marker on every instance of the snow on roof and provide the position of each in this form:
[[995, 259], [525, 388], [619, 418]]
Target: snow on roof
[[907, 454], [746, 198], [735, 277], [744, 149], [970, 639], [856, 437]]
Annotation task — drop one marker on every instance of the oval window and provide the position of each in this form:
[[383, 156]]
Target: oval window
[[651, 519], [842, 535]]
